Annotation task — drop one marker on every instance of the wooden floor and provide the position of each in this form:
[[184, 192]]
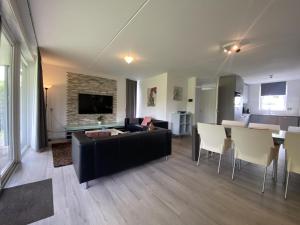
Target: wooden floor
[[166, 192]]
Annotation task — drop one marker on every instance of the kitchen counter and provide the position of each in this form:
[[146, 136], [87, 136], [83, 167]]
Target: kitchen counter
[[283, 121], [262, 114]]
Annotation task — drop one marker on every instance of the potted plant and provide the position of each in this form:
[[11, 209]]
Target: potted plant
[[100, 119]]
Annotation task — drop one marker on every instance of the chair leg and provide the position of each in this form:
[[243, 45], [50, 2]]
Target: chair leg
[[233, 170], [219, 163], [285, 171], [286, 185], [275, 166], [263, 187], [232, 158], [199, 156]]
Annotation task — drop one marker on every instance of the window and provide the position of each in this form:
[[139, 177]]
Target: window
[[6, 150], [273, 96], [23, 106]]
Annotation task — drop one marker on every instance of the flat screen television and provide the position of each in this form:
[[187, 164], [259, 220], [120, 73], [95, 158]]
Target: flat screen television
[[95, 104]]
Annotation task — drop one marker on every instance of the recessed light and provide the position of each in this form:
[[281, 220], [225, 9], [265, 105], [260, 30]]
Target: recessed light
[[128, 59], [235, 47]]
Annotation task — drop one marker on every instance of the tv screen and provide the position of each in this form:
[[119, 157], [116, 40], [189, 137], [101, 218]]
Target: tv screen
[[95, 104]]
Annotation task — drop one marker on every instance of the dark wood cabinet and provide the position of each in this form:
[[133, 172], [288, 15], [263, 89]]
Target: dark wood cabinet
[[283, 121], [229, 86]]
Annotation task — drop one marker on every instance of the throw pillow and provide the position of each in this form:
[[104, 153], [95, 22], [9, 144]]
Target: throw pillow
[[151, 127], [146, 120]]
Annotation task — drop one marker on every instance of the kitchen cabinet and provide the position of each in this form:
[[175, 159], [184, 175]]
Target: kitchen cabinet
[[283, 121], [230, 94], [245, 94]]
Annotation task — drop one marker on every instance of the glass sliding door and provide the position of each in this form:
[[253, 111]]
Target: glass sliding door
[[23, 106], [6, 150]]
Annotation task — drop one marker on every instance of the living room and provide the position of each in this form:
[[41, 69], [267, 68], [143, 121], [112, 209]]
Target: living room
[[149, 112]]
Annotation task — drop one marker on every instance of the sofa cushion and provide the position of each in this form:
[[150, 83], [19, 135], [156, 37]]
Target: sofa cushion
[[97, 133]]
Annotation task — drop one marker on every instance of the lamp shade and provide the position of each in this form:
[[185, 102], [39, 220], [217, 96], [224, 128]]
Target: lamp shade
[[47, 86]]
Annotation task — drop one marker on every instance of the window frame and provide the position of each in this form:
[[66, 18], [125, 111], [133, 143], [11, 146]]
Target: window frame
[[284, 109], [8, 36], [13, 92]]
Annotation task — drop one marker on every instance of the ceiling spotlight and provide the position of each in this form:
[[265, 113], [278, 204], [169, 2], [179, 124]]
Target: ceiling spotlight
[[231, 47], [128, 59], [235, 47]]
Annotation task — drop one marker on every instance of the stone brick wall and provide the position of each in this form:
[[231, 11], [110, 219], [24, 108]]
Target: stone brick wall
[[85, 84]]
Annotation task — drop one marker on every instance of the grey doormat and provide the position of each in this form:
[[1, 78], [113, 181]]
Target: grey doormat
[[26, 203]]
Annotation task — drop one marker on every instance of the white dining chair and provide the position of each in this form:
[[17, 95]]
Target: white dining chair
[[213, 138], [264, 126], [294, 129], [292, 151], [233, 123], [254, 146]]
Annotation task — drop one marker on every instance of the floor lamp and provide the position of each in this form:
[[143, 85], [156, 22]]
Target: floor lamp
[[46, 87]]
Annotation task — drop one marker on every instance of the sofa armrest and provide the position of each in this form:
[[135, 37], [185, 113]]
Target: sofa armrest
[[161, 124], [82, 156]]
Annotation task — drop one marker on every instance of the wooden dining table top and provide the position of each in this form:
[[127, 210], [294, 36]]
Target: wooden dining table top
[[278, 137]]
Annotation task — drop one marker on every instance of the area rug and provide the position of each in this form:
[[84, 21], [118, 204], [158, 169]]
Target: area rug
[[62, 154], [26, 203]]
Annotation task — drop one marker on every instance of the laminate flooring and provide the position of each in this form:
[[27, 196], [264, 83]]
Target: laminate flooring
[[171, 192]]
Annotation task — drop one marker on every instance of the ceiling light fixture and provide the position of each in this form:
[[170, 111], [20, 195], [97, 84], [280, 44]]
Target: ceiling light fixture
[[128, 59], [231, 47]]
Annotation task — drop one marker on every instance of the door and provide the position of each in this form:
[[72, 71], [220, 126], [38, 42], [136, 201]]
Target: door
[[6, 150], [23, 106], [207, 105]]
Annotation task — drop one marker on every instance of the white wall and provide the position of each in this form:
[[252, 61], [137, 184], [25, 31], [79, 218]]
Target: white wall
[[165, 105], [191, 94], [172, 105], [159, 111], [57, 97], [293, 99]]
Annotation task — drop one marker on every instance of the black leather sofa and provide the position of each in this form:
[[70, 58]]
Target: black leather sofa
[[97, 157], [134, 124]]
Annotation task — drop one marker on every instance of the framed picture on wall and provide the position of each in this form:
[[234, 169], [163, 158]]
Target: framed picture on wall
[[177, 93], [151, 96]]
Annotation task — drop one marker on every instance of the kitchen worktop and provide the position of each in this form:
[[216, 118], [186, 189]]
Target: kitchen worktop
[[266, 114]]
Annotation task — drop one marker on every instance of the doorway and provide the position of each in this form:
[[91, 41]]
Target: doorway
[[207, 104]]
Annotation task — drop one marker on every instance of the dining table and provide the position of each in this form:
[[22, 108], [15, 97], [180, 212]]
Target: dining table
[[279, 137]]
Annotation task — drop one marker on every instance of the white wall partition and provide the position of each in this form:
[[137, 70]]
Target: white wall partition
[[159, 110]]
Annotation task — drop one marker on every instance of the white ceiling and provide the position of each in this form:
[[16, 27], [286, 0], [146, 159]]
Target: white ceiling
[[171, 36]]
